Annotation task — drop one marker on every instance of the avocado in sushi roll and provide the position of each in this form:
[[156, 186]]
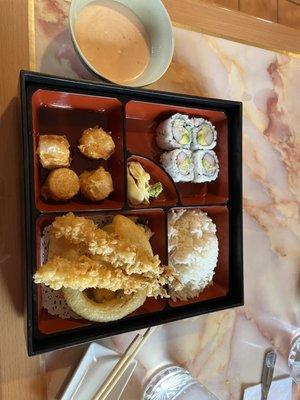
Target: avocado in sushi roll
[[206, 166], [179, 165], [204, 135], [174, 133]]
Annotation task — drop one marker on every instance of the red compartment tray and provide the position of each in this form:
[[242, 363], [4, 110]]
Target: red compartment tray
[[155, 219], [70, 114], [60, 106], [142, 120]]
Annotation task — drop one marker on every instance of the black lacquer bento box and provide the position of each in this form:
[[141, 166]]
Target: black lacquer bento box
[[52, 104]]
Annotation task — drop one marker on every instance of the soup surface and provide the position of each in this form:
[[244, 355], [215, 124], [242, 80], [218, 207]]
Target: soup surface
[[113, 40]]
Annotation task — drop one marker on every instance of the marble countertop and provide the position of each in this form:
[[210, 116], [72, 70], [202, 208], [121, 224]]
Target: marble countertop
[[224, 350]]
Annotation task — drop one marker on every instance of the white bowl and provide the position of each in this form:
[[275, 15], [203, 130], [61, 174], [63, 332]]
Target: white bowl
[[158, 26]]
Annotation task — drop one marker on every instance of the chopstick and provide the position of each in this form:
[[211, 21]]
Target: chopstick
[[122, 365]]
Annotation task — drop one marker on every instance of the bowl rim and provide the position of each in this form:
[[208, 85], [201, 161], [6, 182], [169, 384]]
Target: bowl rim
[[71, 19]]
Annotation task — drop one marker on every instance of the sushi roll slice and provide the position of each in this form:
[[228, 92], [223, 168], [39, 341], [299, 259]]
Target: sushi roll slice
[[179, 165], [204, 135], [174, 133], [206, 166]]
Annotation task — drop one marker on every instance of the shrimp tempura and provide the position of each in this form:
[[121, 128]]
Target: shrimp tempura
[[84, 273], [108, 248]]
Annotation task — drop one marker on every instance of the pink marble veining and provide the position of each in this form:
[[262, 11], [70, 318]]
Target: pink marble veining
[[223, 350]]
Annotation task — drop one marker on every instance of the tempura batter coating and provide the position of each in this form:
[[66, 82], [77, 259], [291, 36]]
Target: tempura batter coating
[[83, 256], [106, 247], [53, 151], [95, 143], [61, 184], [96, 185], [86, 273], [107, 310]]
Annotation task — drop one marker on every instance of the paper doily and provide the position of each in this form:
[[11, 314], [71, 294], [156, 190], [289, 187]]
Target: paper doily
[[53, 300]]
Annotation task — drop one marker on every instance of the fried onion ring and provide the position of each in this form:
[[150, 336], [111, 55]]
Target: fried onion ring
[[108, 310], [101, 295]]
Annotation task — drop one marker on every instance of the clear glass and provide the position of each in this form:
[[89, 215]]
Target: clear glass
[[175, 383], [294, 360]]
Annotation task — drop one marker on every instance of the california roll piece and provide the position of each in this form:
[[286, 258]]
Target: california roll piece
[[174, 133], [204, 134], [206, 166], [179, 165]]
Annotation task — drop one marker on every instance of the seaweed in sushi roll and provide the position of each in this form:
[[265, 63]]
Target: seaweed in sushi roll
[[174, 133], [179, 165], [206, 166], [204, 135]]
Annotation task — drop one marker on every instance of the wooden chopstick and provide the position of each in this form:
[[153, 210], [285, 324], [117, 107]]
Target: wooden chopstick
[[122, 365]]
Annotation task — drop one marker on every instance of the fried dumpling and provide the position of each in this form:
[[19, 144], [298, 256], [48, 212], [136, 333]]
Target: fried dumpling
[[53, 151]]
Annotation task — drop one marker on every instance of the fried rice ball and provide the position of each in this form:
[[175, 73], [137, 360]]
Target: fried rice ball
[[61, 185], [95, 143], [53, 151], [96, 185]]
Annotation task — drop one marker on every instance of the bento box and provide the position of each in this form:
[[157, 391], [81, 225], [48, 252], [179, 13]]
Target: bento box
[[66, 107]]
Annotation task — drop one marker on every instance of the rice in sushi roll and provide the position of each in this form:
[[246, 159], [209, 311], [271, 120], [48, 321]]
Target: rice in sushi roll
[[179, 165], [206, 166], [204, 135], [174, 133]]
